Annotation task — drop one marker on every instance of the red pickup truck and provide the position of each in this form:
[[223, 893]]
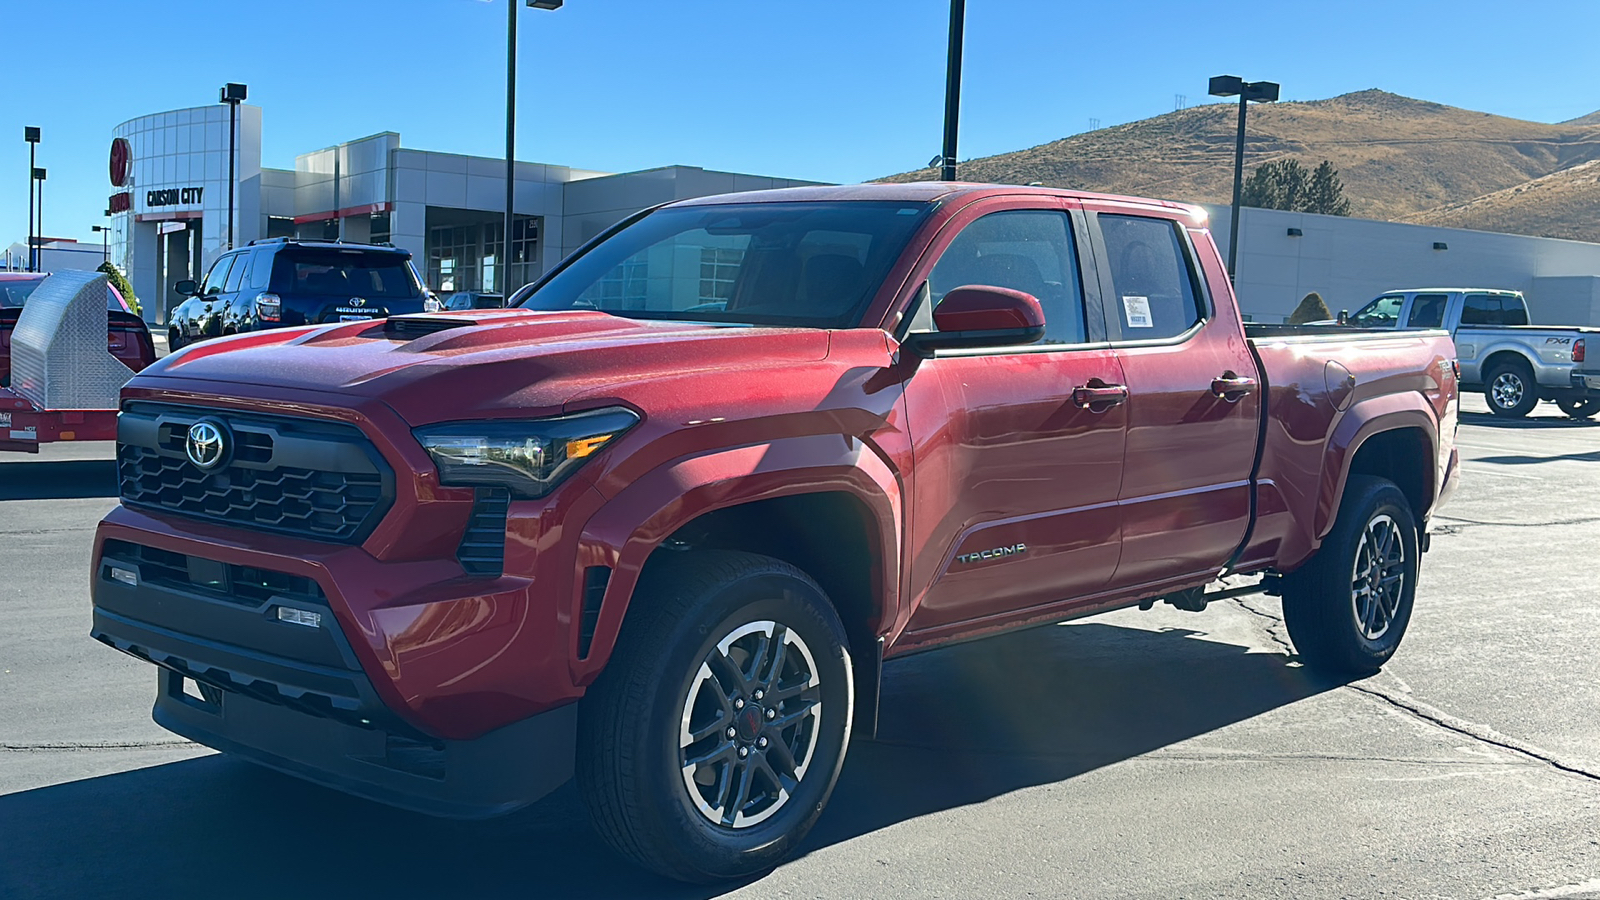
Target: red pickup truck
[[662, 525]]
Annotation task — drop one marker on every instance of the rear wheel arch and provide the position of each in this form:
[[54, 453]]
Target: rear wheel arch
[[1400, 455]]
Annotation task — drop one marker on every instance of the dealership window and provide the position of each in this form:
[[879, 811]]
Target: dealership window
[[280, 226], [524, 241], [381, 233], [453, 258]]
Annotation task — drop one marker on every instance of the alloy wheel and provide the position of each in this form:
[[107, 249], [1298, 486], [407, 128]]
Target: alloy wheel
[[1377, 577], [750, 724]]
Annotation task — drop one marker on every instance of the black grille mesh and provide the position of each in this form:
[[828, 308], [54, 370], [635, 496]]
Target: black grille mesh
[[260, 487]]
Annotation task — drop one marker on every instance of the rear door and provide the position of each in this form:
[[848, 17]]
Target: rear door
[[1013, 501], [1193, 396]]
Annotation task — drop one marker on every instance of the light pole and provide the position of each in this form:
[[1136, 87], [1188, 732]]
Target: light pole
[[105, 241], [1246, 91], [233, 95], [952, 90], [511, 134], [31, 135], [38, 239]]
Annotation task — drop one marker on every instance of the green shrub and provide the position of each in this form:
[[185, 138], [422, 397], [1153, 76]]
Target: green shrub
[[122, 284]]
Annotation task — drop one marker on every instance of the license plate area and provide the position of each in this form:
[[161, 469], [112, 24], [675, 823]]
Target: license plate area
[[350, 318]]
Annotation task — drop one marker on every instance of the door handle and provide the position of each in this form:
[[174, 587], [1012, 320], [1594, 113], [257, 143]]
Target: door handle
[[1097, 396], [1231, 387]]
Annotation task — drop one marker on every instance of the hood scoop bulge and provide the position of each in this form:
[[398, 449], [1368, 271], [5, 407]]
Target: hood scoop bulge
[[414, 326]]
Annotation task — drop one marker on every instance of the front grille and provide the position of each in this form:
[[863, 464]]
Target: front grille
[[301, 477]]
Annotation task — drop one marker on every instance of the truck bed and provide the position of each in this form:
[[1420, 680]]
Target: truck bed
[[1322, 385]]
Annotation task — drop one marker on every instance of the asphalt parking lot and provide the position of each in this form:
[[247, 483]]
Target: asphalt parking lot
[[1139, 754]]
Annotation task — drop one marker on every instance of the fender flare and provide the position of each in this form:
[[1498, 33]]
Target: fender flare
[[1364, 420], [632, 524]]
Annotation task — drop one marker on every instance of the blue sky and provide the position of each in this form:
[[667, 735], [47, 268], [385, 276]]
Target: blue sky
[[831, 90]]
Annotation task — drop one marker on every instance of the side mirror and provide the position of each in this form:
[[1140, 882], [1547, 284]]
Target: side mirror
[[981, 316], [187, 287]]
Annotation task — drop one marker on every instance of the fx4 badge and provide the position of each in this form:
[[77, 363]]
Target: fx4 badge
[[996, 553]]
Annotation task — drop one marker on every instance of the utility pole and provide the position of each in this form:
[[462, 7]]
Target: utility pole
[[952, 90]]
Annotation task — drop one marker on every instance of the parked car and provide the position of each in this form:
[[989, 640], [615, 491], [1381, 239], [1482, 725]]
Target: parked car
[[473, 300], [1515, 364], [127, 337], [279, 282], [662, 530]]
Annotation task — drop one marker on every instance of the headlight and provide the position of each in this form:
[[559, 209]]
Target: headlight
[[530, 457]]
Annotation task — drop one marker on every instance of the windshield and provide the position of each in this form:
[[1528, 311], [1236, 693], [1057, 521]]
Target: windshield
[[13, 294], [790, 264], [344, 273]]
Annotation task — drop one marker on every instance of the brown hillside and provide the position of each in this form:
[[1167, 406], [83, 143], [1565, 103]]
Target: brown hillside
[[1565, 204], [1397, 156]]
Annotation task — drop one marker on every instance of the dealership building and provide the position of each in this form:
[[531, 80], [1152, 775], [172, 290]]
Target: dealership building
[[170, 201]]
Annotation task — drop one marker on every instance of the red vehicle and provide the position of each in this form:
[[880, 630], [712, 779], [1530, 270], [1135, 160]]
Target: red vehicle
[[662, 525], [23, 426]]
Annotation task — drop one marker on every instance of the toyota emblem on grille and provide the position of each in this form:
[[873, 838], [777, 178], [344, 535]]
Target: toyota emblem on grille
[[207, 444], [358, 301]]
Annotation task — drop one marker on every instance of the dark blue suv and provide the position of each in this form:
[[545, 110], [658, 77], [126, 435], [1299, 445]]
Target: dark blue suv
[[279, 282]]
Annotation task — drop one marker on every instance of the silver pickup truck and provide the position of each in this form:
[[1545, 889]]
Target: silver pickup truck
[[1514, 363]]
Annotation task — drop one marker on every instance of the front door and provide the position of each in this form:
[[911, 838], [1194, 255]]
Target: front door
[[1193, 399], [1014, 493]]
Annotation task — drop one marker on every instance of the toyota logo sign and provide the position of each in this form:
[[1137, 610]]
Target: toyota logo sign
[[207, 444], [121, 162]]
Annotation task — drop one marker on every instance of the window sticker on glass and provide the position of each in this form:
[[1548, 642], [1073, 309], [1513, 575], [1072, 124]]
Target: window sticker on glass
[[1138, 311]]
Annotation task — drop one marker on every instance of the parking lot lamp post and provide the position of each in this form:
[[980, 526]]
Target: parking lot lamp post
[[105, 241], [952, 90], [38, 239], [511, 135], [31, 135], [1246, 91], [233, 95]]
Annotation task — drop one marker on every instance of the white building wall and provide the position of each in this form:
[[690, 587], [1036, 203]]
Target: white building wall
[[1349, 261]]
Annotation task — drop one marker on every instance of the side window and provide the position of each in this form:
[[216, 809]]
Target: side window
[[217, 275], [1383, 312], [260, 270], [1480, 309], [1024, 250], [1152, 281], [1427, 311], [236, 274]]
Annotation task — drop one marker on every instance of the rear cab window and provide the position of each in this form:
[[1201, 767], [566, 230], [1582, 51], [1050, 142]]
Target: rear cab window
[[343, 273]]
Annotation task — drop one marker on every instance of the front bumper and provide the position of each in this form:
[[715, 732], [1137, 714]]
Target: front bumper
[[289, 691]]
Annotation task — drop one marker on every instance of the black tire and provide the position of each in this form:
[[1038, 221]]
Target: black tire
[[1511, 390], [1333, 631], [174, 340], [1579, 407], [631, 765]]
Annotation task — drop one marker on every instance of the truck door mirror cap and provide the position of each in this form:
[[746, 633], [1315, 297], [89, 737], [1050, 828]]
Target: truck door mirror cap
[[982, 316], [186, 287]]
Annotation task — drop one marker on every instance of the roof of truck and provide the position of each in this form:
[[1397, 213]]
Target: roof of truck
[[920, 192]]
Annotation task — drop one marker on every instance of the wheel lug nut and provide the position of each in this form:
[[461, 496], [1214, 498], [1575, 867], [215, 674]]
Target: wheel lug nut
[[760, 694], [738, 703], [761, 742], [772, 714], [743, 752], [732, 732]]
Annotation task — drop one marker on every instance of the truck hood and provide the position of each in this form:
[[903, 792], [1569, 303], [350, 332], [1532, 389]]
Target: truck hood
[[483, 362]]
